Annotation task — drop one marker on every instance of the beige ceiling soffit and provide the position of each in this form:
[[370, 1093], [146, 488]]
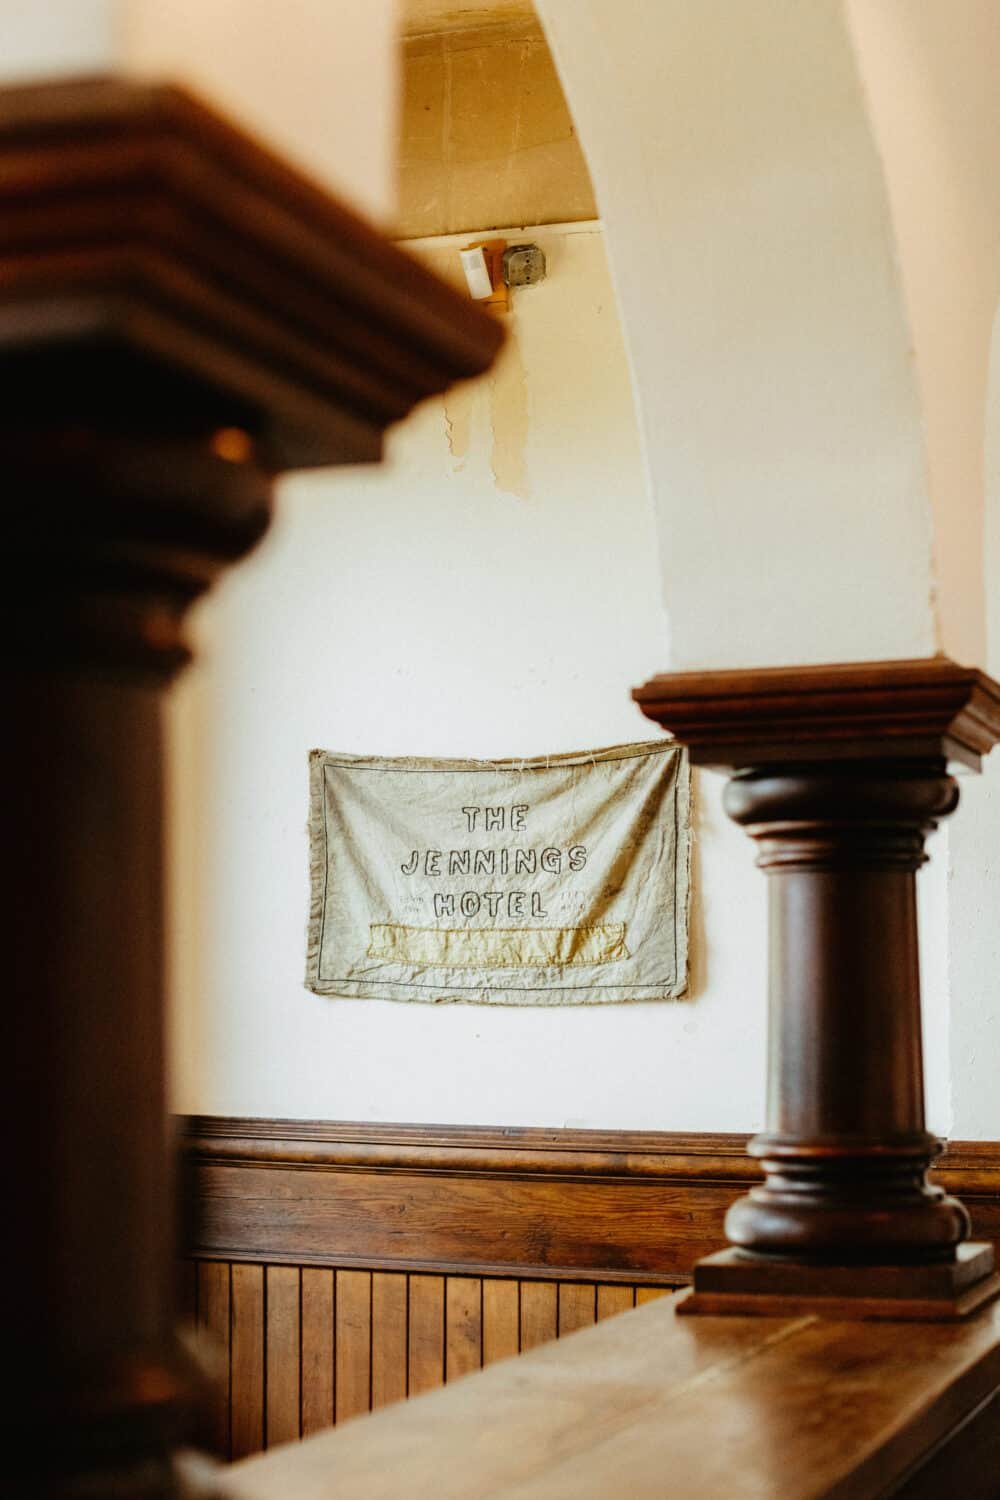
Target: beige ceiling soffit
[[423, 18]]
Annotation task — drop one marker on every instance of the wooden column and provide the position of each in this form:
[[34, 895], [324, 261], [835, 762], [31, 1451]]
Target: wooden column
[[181, 317], [839, 774]]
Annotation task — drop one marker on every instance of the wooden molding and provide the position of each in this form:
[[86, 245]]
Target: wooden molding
[[559, 1204], [914, 709], [484, 1150]]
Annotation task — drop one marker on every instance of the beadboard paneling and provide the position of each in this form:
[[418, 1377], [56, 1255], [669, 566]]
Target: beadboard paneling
[[301, 1348]]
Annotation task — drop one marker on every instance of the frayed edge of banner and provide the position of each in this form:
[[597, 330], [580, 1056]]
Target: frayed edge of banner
[[498, 998], [316, 831], [685, 821]]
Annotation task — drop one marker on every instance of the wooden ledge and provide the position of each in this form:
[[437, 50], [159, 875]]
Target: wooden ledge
[[920, 709], [969, 1168], [647, 1404]]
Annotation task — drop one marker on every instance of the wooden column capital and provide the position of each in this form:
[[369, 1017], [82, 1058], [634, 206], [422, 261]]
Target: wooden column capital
[[838, 774], [182, 317], [151, 250], [924, 709]]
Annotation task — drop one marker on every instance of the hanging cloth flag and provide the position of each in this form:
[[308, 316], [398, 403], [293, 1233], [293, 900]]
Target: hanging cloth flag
[[559, 880]]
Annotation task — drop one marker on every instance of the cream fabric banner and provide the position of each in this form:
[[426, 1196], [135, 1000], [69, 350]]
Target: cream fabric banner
[[561, 880]]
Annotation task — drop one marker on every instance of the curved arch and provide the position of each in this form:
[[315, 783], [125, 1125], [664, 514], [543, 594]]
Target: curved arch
[[749, 229], [935, 107]]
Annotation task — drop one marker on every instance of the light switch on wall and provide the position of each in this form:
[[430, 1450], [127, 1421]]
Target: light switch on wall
[[482, 263]]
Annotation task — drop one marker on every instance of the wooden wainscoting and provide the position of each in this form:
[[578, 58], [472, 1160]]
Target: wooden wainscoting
[[335, 1268], [304, 1347]]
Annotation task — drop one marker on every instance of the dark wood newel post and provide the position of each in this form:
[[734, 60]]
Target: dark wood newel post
[[838, 775], [846, 1149], [181, 319]]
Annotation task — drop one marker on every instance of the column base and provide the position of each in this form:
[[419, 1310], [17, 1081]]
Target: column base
[[841, 1199], [737, 1281]]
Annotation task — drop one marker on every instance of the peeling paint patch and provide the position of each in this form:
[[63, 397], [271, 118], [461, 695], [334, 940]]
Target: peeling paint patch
[[458, 422], [509, 422]]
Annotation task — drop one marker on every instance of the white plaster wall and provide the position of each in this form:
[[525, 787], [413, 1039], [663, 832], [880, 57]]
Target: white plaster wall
[[427, 608], [57, 37], [750, 239], [973, 848], [935, 983], [974, 860], [318, 82], [932, 76]]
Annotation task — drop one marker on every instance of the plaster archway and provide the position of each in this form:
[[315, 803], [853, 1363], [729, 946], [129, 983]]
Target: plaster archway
[[750, 232]]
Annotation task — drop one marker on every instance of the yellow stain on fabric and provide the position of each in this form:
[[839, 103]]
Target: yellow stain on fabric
[[497, 947]]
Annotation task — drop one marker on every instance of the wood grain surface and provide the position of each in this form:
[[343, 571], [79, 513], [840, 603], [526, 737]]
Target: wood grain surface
[[317, 1390], [648, 1405], [298, 1349], [606, 1206], [926, 707]]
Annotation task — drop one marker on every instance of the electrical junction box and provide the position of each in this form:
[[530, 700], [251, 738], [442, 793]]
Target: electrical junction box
[[523, 265]]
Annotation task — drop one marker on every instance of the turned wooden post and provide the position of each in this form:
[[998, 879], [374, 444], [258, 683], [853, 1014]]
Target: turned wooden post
[[181, 317], [103, 1389], [840, 773]]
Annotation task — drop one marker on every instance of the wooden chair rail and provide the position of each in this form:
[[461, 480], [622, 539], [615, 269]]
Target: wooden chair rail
[[562, 1204]]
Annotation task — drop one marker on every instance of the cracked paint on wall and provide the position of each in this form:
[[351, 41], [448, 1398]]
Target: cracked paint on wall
[[458, 422]]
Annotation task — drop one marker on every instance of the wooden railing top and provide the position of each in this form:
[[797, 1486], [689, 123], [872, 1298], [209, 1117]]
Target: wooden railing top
[[649, 1404]]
